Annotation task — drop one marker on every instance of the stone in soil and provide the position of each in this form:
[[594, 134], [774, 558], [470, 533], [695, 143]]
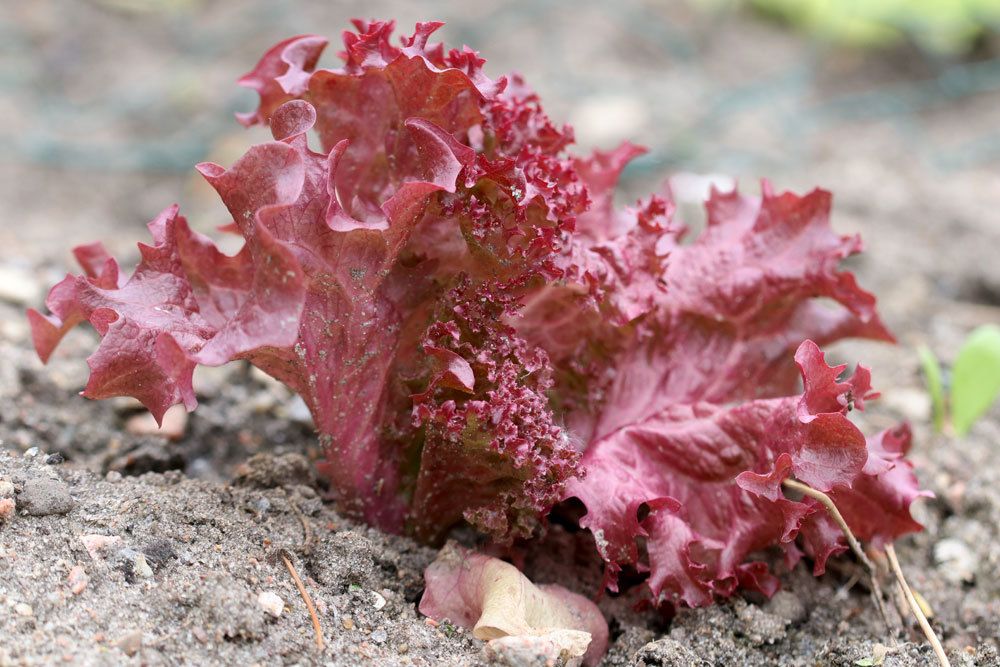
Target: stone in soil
[[141, 567], [158, 551], [271, 603], [561, 646], [131, 643], [786, 605], [99, 546], [956, 561], [226, 607], [77, 579], [7, 509], [266, 471], [665, 652], [43, 497], [758, 626]]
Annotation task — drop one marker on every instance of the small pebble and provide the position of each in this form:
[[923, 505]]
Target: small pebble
[[262, 402], [567, 646], [786, 605], [130, 643], [54, 459], [113, 476], [956, 561], [7, 509], [271, 603], [99, 545], [262, 505], [77, 579], [23, 609], [379, 635], [32, 453], [158, 551], [666, 651], [348, 623], [379, 600], [6, 489], [43, 497], [141, 567], [759, 626]]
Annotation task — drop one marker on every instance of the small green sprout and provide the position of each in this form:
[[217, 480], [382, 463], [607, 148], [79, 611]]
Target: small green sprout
[[975, 380], [935, 385], [879, 651]]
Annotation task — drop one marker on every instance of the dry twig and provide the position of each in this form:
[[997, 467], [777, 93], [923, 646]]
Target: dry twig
[[308, 600], [307, 533], [835, 514], [915, 607]]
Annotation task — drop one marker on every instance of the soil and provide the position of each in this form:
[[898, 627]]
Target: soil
[[105, 103]]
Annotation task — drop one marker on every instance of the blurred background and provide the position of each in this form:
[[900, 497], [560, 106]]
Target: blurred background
[[891, 104]]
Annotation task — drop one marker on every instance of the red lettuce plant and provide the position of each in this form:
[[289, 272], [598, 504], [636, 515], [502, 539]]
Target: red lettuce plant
[[479, 334]]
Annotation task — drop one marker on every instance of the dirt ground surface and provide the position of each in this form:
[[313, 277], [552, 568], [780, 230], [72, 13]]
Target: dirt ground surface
[[130, 548]]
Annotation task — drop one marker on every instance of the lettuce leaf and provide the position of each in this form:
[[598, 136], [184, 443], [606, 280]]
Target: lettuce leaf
[[480, 334]]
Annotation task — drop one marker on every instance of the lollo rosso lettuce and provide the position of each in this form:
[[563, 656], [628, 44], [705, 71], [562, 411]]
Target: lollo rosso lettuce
[[480, 334]]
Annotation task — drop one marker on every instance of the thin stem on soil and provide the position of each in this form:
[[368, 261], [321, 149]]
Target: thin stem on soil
[[308, 600], [915, 607], [835, 514], [307, 533], [846, 588]]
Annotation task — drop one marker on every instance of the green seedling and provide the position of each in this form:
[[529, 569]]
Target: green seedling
[[975, 377], [935, 385], [975, 380]]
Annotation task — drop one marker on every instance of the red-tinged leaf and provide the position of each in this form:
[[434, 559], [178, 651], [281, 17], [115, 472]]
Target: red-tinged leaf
[[702, 316], [822, 393], [98, 264], [295, 119], [141, 324], [760, 261], [443, 156], [496, 458], [456, 373], [710, 477], [281, 74], [266, 314], [48, 330], [341, 358], [877, 506], [472, 324], [398, 124], [186, 302], [822, 539], [601, 173]]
